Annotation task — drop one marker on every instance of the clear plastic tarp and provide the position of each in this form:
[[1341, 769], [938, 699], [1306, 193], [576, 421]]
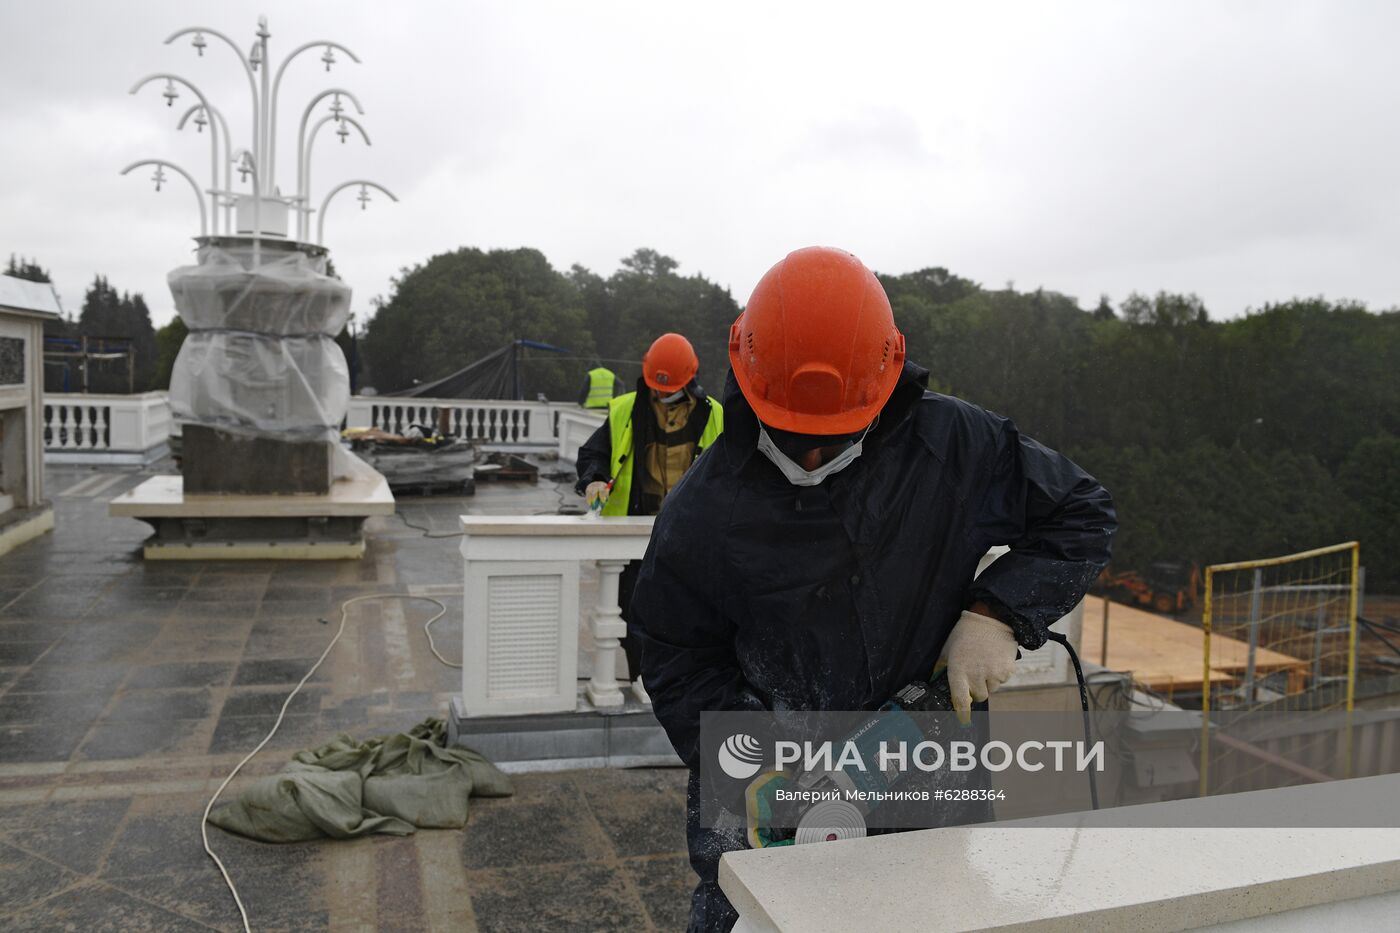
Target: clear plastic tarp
[[261, 357], [288, 294], [288, 386]]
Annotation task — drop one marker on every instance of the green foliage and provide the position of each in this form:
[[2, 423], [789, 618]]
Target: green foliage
[[169, 339], [1219, 440], [645, 299], [106, 313], [1213, 504], [22, 268], [458, 307], [1370, 478]]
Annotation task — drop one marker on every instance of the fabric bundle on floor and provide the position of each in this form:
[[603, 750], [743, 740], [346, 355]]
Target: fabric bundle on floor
[[347, 788]]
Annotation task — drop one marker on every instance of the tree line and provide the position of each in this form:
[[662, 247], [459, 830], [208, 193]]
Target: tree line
[[1219, 440]]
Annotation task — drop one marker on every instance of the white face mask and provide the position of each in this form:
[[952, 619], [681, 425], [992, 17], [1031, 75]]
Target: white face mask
[[794, 472], [673, 398]]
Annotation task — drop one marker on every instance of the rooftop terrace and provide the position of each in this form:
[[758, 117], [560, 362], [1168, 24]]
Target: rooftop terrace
[[128, 689]]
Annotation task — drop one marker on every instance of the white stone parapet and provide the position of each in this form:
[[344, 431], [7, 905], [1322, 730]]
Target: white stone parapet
[[521, 609], [115, 429], [497, 421], [1038, 875]]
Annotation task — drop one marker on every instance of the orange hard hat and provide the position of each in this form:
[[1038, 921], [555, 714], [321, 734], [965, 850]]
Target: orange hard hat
[[816, 350], [670, 363]]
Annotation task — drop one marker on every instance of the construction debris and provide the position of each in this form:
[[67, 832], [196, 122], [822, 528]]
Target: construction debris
[[507, 468], [417, 462]]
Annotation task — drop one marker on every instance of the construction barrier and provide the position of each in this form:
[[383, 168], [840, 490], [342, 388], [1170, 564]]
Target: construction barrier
[[1285, 638]]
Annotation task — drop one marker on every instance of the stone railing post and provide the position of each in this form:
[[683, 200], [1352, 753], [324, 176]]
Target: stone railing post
[[608, 627]]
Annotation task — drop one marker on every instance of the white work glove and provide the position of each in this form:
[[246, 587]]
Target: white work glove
[[596, 491], [981, 655]]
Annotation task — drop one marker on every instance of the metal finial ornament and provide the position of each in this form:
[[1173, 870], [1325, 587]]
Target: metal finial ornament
[[363, 197], [337, 108], [159, 176], [170, 93], [328, 57], [200, 121], [199, 43], [343, 132]]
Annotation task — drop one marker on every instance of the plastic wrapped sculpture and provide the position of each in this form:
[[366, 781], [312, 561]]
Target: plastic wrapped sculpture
[[260, 387]]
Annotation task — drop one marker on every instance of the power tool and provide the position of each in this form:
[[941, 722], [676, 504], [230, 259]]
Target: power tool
[[840, 811], [833, 819]]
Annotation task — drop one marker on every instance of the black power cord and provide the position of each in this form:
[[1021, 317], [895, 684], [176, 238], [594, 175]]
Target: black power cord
[[1063, 642]]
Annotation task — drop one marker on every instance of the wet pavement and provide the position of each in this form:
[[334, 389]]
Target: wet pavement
[[129, 689]]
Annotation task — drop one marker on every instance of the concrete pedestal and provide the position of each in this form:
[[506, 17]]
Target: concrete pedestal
[[278, 527]]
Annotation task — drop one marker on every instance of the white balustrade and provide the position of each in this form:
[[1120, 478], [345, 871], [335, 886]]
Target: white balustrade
[[93, 428], [520, 631], [496, 421]]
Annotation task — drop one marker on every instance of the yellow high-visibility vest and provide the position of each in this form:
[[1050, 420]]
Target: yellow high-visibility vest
[[600, 388], [620, 431]]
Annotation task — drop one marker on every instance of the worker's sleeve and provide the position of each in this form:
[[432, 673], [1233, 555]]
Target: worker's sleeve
[[587, 389], [1058, 521], [688, 660], [594, 458]]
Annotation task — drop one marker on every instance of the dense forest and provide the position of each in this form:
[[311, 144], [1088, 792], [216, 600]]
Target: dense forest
[[1220, 440]]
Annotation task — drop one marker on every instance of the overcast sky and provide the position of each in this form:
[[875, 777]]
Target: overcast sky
[[1248, 152]]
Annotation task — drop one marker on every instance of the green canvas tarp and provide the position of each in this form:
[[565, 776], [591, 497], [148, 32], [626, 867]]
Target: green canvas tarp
[[348, 788]]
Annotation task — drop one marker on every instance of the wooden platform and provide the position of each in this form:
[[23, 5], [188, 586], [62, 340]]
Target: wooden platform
[[1166, 655]]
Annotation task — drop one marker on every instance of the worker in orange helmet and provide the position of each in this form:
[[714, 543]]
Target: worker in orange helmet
[[650, 438], [822, 555]]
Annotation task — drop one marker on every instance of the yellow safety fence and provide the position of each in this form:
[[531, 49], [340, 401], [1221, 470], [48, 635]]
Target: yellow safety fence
[[1286, 641]]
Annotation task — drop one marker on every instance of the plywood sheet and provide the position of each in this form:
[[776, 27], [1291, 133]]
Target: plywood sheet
[[1167, 655]]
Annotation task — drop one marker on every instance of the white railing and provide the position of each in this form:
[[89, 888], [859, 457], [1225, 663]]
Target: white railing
[[81, 427], [491, 420]]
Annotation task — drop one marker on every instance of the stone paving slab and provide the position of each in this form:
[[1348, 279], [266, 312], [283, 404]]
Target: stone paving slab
[[128, 690]]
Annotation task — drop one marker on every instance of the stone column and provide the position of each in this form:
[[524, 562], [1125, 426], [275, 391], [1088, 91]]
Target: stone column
[[608, 627]]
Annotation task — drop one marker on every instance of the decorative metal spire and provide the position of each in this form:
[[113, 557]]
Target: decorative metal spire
[[262, 212]]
